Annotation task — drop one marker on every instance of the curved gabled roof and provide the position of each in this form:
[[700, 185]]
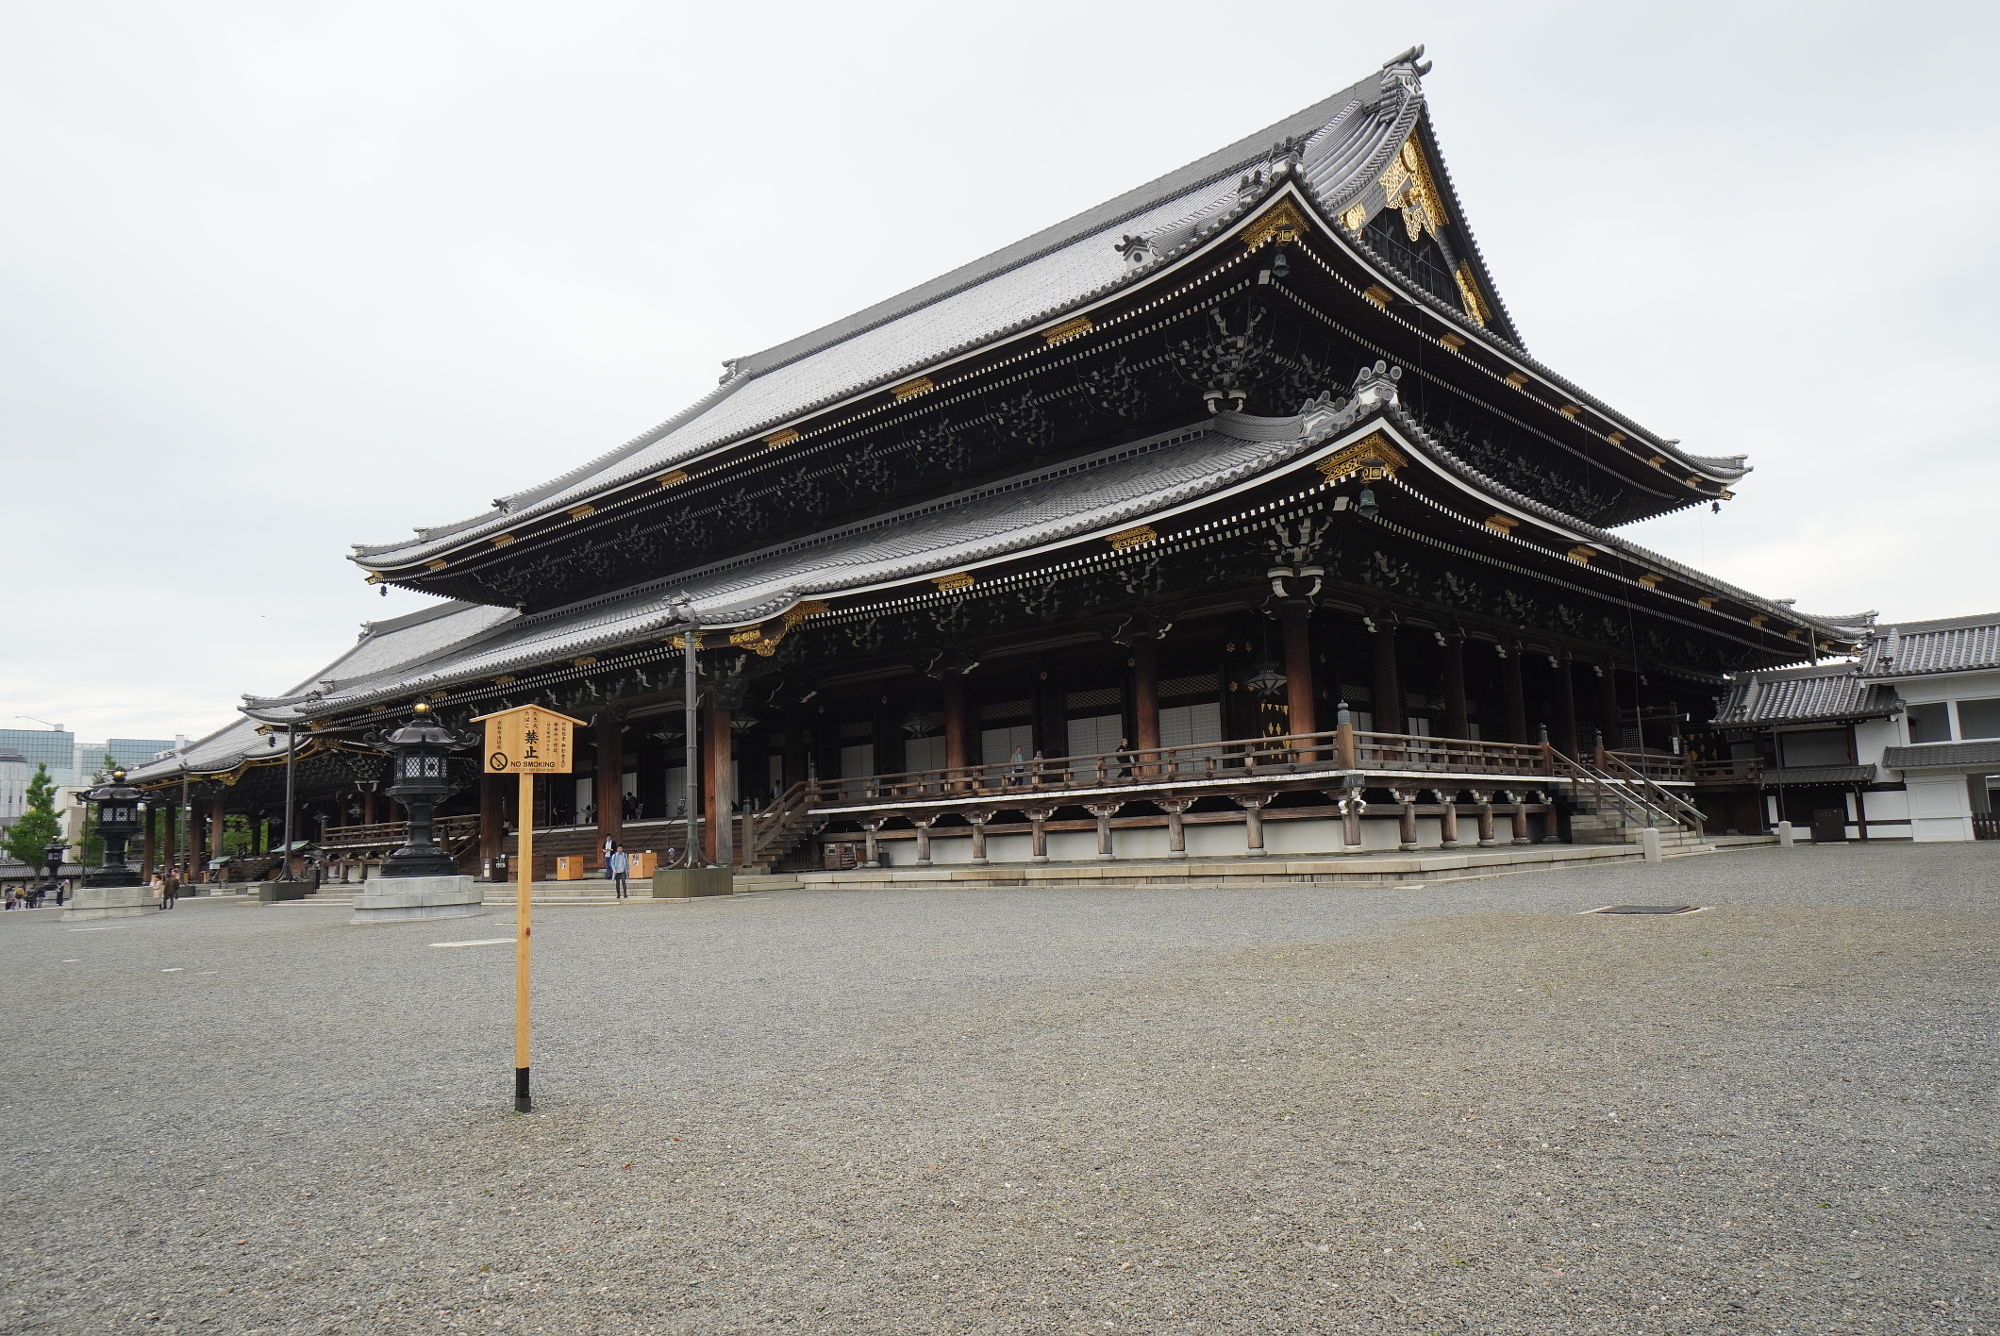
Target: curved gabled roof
[[1341, 145], [1946, 645]]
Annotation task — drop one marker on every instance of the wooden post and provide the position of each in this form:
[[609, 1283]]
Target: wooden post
[[1407, 817], [524, 910], [871, 843], [1253, 822], [1610, 717], [923, 825], [1457, 724], [170, 851], [1388, 680], [1515, 696], [978, 820], [1038, 828], [1350, 803], [1565, 730], [719, 795], [218, 820], [1450, 819], [146, 844], [956, 745], [1300, 697], [1345, 750], [1176, 832], [1146, 700], [1103, 812], [492, 822], [608, 784]]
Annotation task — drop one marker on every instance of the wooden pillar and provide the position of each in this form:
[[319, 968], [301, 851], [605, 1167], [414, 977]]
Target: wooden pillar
[[1450, 819], [923, 825], [148, 844], [1515, 697], [957, 731], [717, 792], [1300, 698], [607, 788], [871, 843], [1176, 832], [195, 842], [1253, 822], [1610, 717], [1565, 707], [170, 837], [1350, 802], [1103, 812], [1146, 697], [1038, 827], [978, 820], [492, 821], [1407, 817], [1457, 721], [1484, 797], [1388, 680], [368, 808], [1520, 817], [218, 820]]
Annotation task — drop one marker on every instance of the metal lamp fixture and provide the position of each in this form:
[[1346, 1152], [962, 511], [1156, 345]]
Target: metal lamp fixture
[[1265, 679], [1364, 505]]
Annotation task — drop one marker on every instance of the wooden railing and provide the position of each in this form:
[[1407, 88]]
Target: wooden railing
[[1259, 758], [1651, 764], [1728, 770], [448, 831], [1670, 804]]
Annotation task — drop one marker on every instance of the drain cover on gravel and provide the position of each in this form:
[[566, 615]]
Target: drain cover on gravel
[[1646, 909]]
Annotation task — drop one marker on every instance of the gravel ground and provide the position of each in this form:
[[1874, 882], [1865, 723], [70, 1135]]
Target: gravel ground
[[1453, 1109]]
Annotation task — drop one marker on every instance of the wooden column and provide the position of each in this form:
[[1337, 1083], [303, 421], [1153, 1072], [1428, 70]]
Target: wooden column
[[1406, 823], [1388, 680], [607, 789], [978, 820], [1176, 832], [1484, 797], [1103, 812], [492, 820], [957, 733], [1299, 688], [195, 842], [217, 821], [1610, 717], [170, 850], [923, 825], [1515, 697], [1145, 695], [1253, 805], [1038, 830], [148, 843], [1448, 824], [1565, 706], [717, 793], [1457, 721]]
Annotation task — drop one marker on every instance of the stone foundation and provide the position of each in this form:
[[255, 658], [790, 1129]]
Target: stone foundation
[[398, 899], [102, 902], [687, 883]]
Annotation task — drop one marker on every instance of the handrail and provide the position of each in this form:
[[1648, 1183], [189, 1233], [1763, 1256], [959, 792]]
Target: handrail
[[778, 824], [395, 832], [1673, 802], [1568, 767]]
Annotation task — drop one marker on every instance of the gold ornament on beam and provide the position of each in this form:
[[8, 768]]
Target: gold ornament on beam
[[1067, 330], [1470, 298], [1281, 222], [948, 583], [1372, 457], [1408, 186], [1132, 537]]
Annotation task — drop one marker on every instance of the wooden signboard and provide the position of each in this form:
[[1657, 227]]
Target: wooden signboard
[[529, 741], [526, 741]]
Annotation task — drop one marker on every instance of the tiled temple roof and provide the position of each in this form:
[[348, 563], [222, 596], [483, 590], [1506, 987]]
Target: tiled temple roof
[[1342, 146], [1942, 753], [1946, 645], [1828, 694]]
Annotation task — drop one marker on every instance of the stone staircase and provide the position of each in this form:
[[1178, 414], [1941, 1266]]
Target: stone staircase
[[501, 895]]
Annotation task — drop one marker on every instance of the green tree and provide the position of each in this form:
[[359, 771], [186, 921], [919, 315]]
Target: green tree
[[91, 842], [26, 838]]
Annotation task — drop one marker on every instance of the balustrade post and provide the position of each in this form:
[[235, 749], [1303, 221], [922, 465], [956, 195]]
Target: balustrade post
[[1344, 749], [1103, 812]]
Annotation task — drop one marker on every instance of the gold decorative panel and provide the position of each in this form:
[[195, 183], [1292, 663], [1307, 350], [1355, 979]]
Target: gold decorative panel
[[910, 389], [1355, 218], [1706, 602], [1452, 341], [1470, 298], [778, 438], [1582, 553], [1409, 186], [503, 540], [1378, 294], [947, 583], [1372, 457], [1132, 537], [674, 479], [1282, 222], [1616, 438], [1068, 329], [1503, 523], [1650, 580], [1517, 379], [436, 564], [1570, 411], [582, 512]]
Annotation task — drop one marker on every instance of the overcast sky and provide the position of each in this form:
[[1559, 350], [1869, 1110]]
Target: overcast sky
[[275, 279]]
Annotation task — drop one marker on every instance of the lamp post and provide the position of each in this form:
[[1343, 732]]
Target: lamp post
[[419, 762], [118, 819]]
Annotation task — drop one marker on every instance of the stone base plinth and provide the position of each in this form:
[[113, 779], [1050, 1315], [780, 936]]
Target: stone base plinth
[[101, 902], [687, 883], [276, 892], [399, 899]]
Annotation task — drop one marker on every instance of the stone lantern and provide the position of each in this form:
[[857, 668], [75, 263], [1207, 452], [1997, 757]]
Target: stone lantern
[[419, 778], [112, 889], [419, 880]]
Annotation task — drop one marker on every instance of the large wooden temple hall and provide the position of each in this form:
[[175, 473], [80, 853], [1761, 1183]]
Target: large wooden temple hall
[[1228, 517]]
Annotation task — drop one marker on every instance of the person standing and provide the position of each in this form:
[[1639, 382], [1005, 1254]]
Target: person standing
[[620, 864], [170, 890]]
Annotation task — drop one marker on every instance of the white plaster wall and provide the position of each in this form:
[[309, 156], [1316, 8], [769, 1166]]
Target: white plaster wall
[[1221, 840], [1940, 808], [1073, 846], [1872, 735], [1010, 848]]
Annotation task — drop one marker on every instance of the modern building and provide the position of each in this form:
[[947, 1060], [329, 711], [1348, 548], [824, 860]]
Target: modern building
[[1231, 516], [15, 772], [72, 762]]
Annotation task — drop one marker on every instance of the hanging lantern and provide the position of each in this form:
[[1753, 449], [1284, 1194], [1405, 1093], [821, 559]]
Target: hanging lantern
[[1265, 680]]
